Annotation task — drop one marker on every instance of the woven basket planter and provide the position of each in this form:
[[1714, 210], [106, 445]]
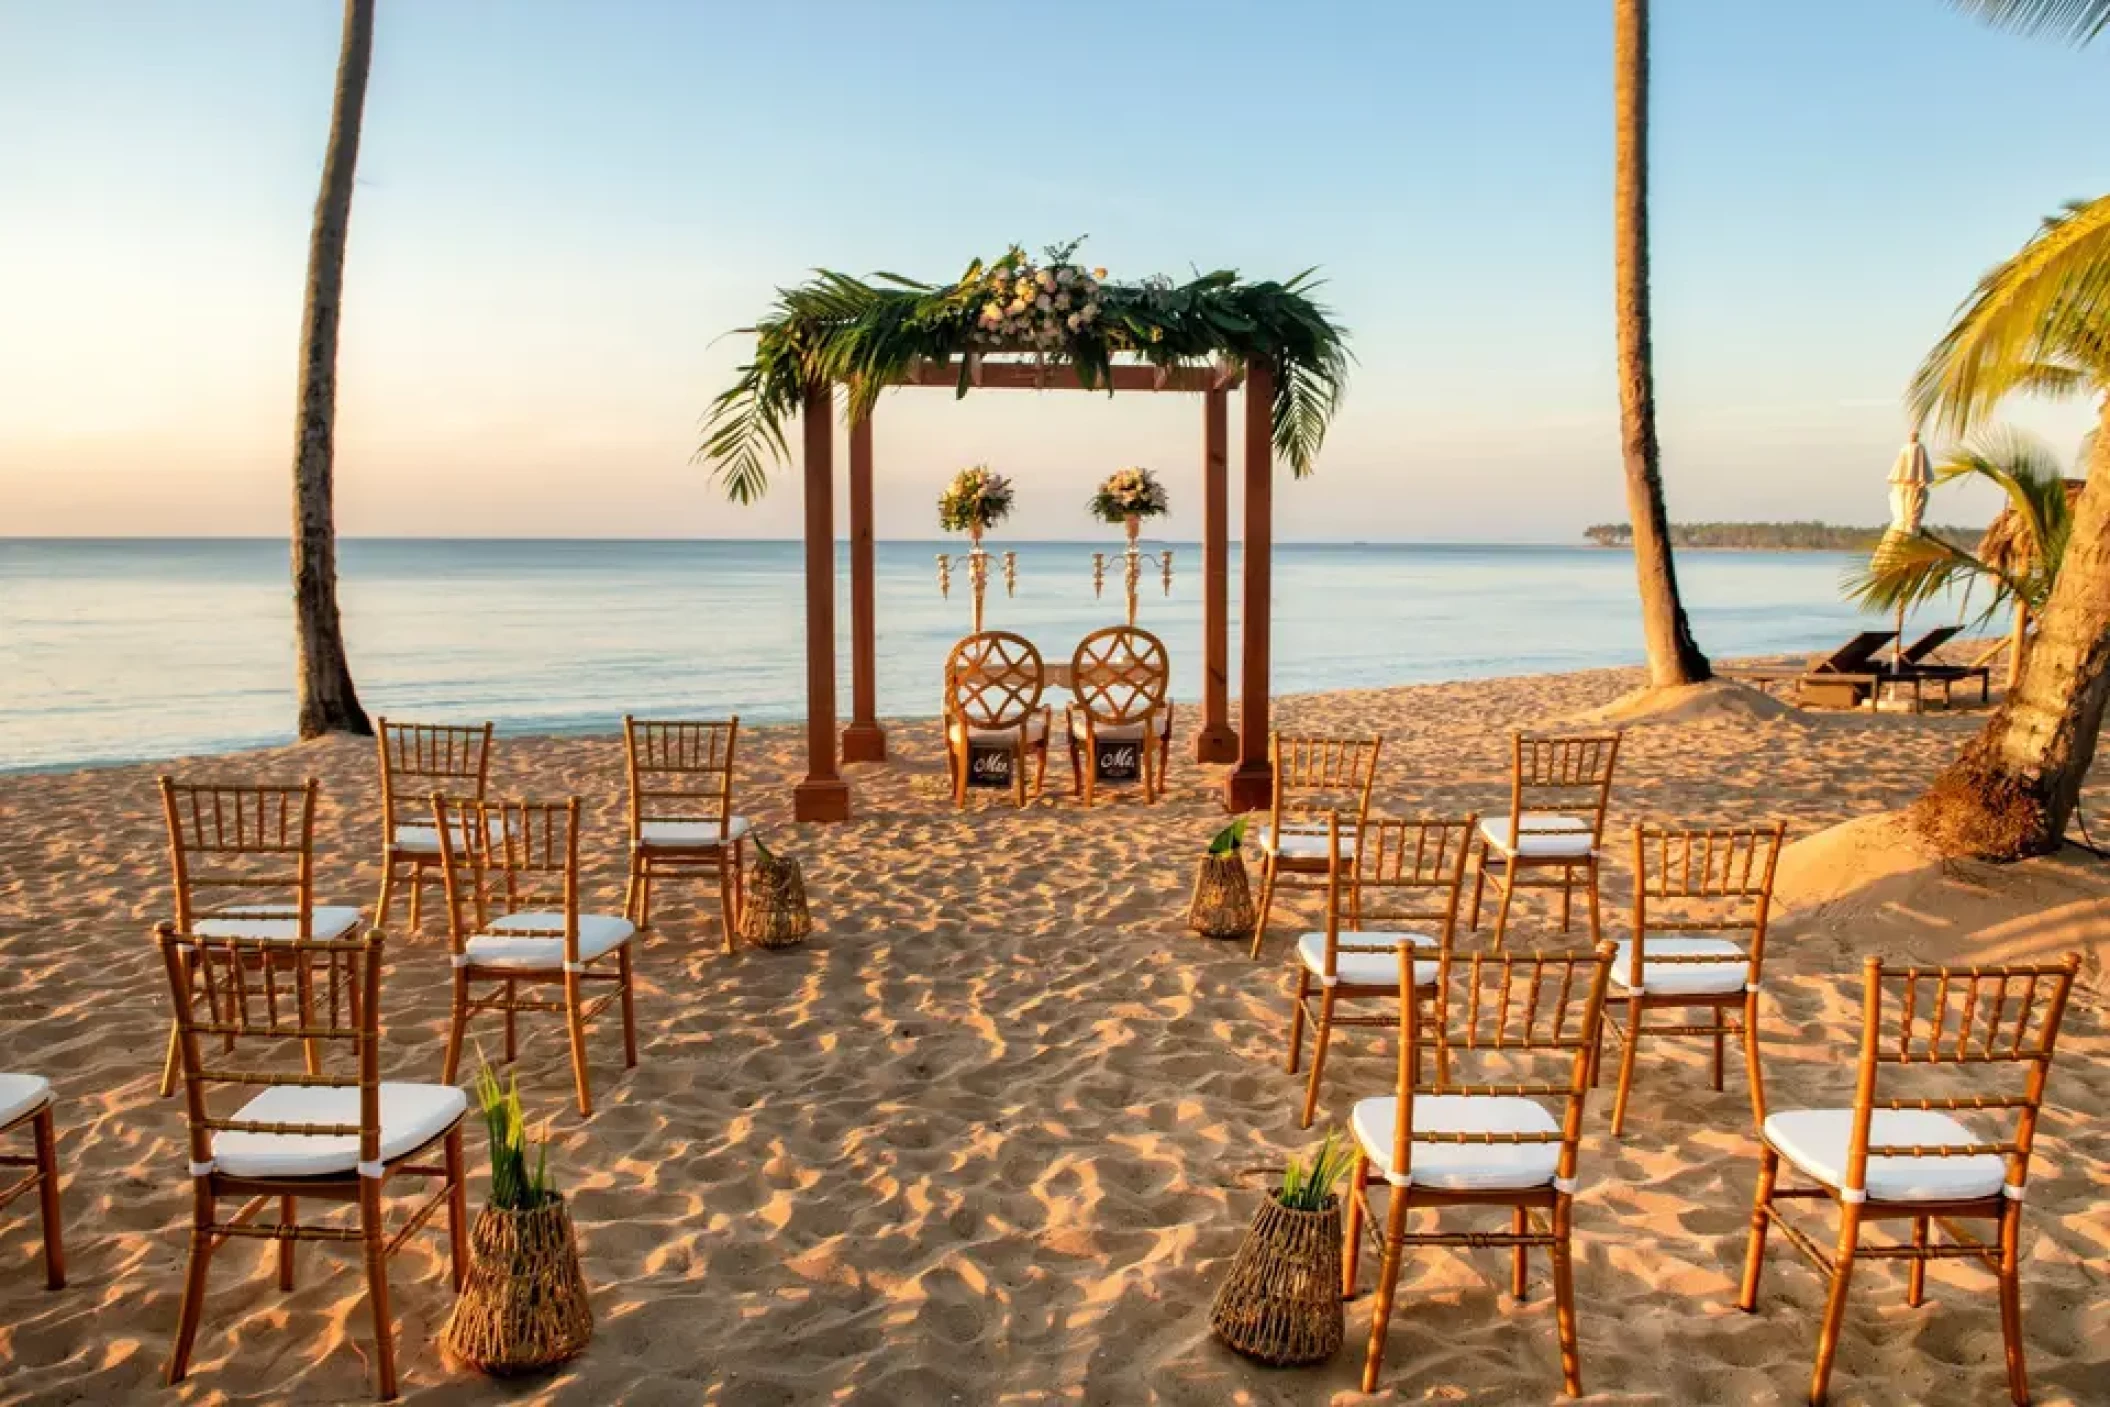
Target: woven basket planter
[[773, 911], [1281, 1303], [1222, 906], [524, 1309]]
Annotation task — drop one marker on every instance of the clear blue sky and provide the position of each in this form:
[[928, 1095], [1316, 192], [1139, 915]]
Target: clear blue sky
[[562, 206]]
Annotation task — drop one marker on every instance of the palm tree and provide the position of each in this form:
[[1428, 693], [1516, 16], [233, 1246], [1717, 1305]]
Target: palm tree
[[2078, 20], [2038, 323], [328, 702], [1673, 656]]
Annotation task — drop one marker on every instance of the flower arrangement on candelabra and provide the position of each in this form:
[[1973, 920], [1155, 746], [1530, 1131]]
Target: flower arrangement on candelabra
[[974, 501], [1128, 496]]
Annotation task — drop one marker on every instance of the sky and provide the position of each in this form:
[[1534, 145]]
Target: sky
[[564, 209]]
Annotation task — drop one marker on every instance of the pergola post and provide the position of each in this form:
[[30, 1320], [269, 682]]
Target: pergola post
[[1252, 783], [823, 796], [864, 740], [1215, 741]]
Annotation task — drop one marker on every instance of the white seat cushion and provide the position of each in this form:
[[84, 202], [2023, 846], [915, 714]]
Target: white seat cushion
[[1036, 727], [599, 934], [1463, 1167], [1546, 836], [1364, 958], [1663, 979], [1815, 1140], [1120, 732], [22, 1094], [680, 834], [411, 1116], [324, 922], [425, 839], [1305, 844]]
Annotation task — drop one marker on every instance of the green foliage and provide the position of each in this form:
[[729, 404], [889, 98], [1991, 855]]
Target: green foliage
[[974, 501], [1307, 1186], [863, 335], [1129, 491], [1227, 840], [2077, 20], [515, 1187], [1906, 571], [1763, 537]]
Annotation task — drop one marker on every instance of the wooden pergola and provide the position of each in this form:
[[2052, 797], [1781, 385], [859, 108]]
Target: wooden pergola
[[824, 795]]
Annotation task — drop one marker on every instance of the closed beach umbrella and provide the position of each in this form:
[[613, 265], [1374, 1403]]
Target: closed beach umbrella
[[1909, 478]]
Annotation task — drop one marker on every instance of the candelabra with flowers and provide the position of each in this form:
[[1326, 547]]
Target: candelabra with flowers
[[1128, 496], [975, 500]]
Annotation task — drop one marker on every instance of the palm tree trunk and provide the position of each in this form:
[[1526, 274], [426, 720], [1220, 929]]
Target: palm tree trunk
[[1673, 656], [328, 702], [2018, 783]]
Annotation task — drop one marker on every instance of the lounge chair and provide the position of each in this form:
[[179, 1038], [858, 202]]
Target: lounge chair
[[1917, 663], [1840, 679]]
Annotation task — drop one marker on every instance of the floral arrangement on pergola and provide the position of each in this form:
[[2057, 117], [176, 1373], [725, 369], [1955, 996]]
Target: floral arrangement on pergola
[[868, 334]]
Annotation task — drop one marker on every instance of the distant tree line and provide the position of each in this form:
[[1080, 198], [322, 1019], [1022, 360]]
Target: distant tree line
[[1773, 537]]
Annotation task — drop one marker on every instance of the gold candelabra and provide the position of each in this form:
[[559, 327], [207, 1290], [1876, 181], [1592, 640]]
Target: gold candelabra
[[975, 562], [1132, 560]]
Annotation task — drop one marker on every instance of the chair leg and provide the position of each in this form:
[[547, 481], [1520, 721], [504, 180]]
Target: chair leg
[[1567, 898], [1835, 1303], [457, 1210], [1352, 1225], [193, 1304], [624, 974], [1721, 1047], [457, 1027], [2011, 1301], [1040, 769], [726, 905], [374, 1232], [1752, 1071], [1018, 775], [1479, 887], [1520, 1260], [417, 897], [1916, 1270], [1320, 1037], [574, 1022], [1296, 1017], [288, 1216], [630, 909], [1267, 902], [1761, 1219], [45, 1133], [1630, 1049], [1387, 1285], [171, 1062], [1564, 1292], [1596, 919], [388, 887], [512, 1026], [1508, 885]]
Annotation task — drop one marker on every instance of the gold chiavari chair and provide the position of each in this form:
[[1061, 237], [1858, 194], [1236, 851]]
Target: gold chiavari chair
[[255, 845], [1559, 789], [1487, 1142], [1313, 777], [416, 760], [338, 1136], [513, 920], [1892, 1157], [993, 687], [1403, 872], [1122, 678], [25, 1102], [1702, 897], [681, 812]]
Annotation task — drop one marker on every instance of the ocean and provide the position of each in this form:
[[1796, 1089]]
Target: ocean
[[117, 650]]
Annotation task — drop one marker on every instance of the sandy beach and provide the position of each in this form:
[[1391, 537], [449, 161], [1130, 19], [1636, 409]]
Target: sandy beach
[[981, 1139]]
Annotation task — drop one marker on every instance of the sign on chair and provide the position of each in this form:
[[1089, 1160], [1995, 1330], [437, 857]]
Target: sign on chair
[[989, 765], [1117, 760]]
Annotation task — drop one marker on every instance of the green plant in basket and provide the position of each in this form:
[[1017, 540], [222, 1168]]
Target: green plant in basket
[[1228, 840], [1307, 1184], [515, 1187]]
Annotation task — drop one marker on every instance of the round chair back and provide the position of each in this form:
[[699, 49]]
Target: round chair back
[[994, 680], [1120, 675]]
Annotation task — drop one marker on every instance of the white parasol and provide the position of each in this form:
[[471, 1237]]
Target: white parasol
[[1909, 478]]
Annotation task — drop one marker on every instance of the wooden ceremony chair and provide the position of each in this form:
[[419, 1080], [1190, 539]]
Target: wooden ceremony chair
[[1405, 873], [513, 921], [681, 813], [1559, 788], [416, 760], [1313, 778], [1908, 1158], [1122, 678], [254, 845], [339, 1137], [993, 685], [1482, 1143], [1693, 889], [25, 1102]]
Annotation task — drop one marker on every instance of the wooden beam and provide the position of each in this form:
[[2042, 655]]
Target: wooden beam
[[823, 796], [1032, 376], [864, 740], [1251, 784], [1215, 741]]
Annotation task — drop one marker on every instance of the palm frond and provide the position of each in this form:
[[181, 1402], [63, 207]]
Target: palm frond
[[2047, 306], [2077, 20]]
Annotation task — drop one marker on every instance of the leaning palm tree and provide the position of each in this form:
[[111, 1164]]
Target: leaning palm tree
[[2039, 323], [328, 702], [1673, 656]]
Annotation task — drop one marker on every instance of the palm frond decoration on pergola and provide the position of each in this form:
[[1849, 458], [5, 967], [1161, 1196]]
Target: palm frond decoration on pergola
[[867, 334]]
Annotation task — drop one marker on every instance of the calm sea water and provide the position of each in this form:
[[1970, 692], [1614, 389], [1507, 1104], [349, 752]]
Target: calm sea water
[[114, 650]]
